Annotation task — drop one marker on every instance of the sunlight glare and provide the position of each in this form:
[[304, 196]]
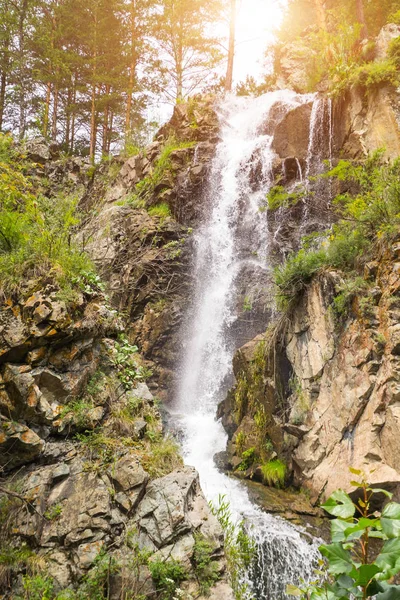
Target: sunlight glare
[[255, 25]]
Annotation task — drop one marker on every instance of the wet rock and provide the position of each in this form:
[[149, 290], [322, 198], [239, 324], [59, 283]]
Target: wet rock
[[291, 135]]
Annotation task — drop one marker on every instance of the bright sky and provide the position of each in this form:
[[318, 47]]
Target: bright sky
[[255, 25]]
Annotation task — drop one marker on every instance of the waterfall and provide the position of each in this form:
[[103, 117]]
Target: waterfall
[[232, 243]]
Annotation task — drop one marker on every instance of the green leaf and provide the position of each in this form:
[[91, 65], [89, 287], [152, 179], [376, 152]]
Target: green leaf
[[339, 559], [381, 491], [355, 471], [364, 574], [361, 525], [292, 590], [392, 593], [390, 520], [389, 558], [338, 528], [339, 504]]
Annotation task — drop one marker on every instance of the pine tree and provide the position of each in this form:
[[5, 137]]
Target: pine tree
[[188, 53]]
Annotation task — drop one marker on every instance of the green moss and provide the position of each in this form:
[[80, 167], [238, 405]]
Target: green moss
[[160, 210], [274, 473]]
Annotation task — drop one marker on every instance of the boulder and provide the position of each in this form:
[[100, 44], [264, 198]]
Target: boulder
[[174, 506], [18, 444]]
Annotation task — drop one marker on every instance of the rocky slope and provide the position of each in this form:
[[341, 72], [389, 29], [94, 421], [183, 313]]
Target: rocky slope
[[93, 497]]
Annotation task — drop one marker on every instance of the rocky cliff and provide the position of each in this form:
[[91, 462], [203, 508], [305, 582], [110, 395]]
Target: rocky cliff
[[317, 393], [94, 498]]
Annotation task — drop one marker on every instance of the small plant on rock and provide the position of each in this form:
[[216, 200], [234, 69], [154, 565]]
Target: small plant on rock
[[205, 568], [274, 472], [167, 575]]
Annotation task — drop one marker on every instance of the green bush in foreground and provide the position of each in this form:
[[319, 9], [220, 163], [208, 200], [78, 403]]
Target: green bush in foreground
[[351, 572], [364, 217]]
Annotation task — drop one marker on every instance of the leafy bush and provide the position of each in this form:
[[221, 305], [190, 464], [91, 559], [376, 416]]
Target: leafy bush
[[167, 575], [249, 457], [205, 568], [279, 197], [348, 291], [351, 572], [238, 545], [274, 472]]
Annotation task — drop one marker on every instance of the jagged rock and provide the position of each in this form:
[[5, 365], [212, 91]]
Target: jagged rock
[[363, 124], [173, 506], [18, 444], [293, 68], [37, 149]]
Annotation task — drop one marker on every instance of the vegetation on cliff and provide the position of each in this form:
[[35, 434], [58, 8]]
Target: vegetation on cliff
[[366, 212], [36, 229], [335, 46]]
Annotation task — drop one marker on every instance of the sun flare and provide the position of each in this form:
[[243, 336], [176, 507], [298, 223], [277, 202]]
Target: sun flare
[[255, 25]]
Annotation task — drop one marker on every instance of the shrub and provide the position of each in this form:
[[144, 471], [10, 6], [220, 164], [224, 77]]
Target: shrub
[[35, 231], [238, 545], [351, 572], [348, 291], [205, 568], [274, 472], [248, 458], [279, 197], [167, 575]]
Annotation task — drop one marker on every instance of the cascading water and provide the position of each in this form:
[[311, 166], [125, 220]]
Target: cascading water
[[233, 241]]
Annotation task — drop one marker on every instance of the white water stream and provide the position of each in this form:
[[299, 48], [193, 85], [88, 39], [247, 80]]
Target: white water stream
[[234, 231]]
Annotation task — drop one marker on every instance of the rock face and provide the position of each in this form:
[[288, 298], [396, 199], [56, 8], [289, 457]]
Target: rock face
[[352, 386], [117, 491], [365, 123], [328, 394], [144, 255]]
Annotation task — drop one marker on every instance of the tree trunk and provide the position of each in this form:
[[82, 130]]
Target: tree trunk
[[93, 123], [110, 131], [46, 110], [231, 49], [55, 114], [3, 78], [105, 122], [21, 48], [321, 16], [3, 86], [361, 19], [73, 115], [179, 72], [132, 72]]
